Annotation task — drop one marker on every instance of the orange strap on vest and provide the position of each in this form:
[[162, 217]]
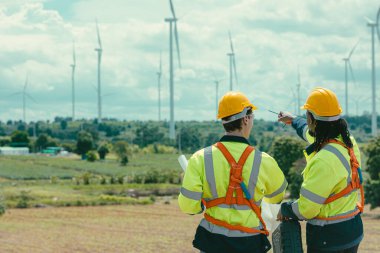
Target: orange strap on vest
[[236, 179], [354, 184]]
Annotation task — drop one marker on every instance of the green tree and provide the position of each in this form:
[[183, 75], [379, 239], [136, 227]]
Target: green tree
[[63, 124], [103, 150], [147, 134], [19, 139], [121, 150], [373, 163], [41, 142], [372, 186], [296, 178], [286, 150], [84, 143], [190, 139]]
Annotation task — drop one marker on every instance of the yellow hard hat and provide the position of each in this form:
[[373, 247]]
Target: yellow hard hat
[[323, 104], [233, 102]]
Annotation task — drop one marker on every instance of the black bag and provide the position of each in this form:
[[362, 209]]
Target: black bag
[[287, 237]]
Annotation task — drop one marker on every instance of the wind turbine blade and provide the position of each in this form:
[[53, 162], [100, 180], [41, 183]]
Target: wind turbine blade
[[172, 9], [293, 92], [369, 20], [74, 56], [378, 24], [160, 62], [235, 72], [31, 98], [231, 45], [177, 43], [26, 82], [14, 94], [353, 49], [352, 73], [97, 31]]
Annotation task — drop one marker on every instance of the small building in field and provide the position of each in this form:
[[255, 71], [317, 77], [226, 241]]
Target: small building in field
[[14, 151]]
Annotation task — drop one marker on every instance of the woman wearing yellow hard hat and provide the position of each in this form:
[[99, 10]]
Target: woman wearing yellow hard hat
[[331, 179]]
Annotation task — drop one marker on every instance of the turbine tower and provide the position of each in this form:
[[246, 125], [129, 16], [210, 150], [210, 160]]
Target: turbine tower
[[24, 94], [216, 95], [99, 50], [159, 75], [348, 65], [298, 86], [172, 28], [73, 81], [374, 25], [231, 56]]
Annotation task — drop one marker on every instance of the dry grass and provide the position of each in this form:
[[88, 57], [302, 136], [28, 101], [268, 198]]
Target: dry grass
[[156, 228]]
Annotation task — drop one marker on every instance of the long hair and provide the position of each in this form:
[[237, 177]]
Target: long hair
[[326, 130]]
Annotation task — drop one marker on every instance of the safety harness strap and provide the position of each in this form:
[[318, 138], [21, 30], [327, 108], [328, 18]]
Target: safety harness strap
[[235, 185], [234, 227]]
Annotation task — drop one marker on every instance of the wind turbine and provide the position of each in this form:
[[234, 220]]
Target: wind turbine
[[374, 25], [73, 81], [25, 95], [232, 61], [159, 75], [99, 50], [171, 65], [348, 65], [298, 86]]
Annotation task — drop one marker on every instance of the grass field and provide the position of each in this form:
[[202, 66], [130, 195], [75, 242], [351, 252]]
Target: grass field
[[32, 180], [132, 229], [40, 167]]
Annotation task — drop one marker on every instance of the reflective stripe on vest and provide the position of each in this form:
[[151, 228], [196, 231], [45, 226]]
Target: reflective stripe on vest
[[335, 219], [209, 167], [191, 194]]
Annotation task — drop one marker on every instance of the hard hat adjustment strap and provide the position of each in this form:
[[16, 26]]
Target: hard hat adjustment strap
[[236, 116], [324, 118]]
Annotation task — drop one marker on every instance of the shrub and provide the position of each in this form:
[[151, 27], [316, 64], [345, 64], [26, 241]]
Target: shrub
[[372, 193], [86, 178], [286, 150], [296, 178], [91, 156], [103, 180], [24, 199], [2, 205], [124, 160], [54, 179], [373, 152]]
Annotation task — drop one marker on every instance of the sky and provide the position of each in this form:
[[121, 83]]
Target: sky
[[271, 39]]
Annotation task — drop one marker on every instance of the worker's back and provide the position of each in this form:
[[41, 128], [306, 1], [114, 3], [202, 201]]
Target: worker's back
[[208, 177]]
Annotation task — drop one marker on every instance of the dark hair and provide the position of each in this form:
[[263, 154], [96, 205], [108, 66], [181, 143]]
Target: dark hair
[[326, 130], [236, 124]]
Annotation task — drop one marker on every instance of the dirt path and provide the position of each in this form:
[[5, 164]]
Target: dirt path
[[140, 229]]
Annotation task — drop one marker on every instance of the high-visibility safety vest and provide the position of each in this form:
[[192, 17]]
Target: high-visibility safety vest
[[231, 191], [237, 186], [355, 184], [331, 179]]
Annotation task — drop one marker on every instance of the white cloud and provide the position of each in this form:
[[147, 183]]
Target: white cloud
[[271, 39]]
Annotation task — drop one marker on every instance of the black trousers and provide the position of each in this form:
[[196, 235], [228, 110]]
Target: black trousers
[[350, 250]]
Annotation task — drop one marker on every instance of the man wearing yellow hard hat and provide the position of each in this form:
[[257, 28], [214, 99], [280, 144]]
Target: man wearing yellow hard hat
[[331, 180], [227, 181]]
